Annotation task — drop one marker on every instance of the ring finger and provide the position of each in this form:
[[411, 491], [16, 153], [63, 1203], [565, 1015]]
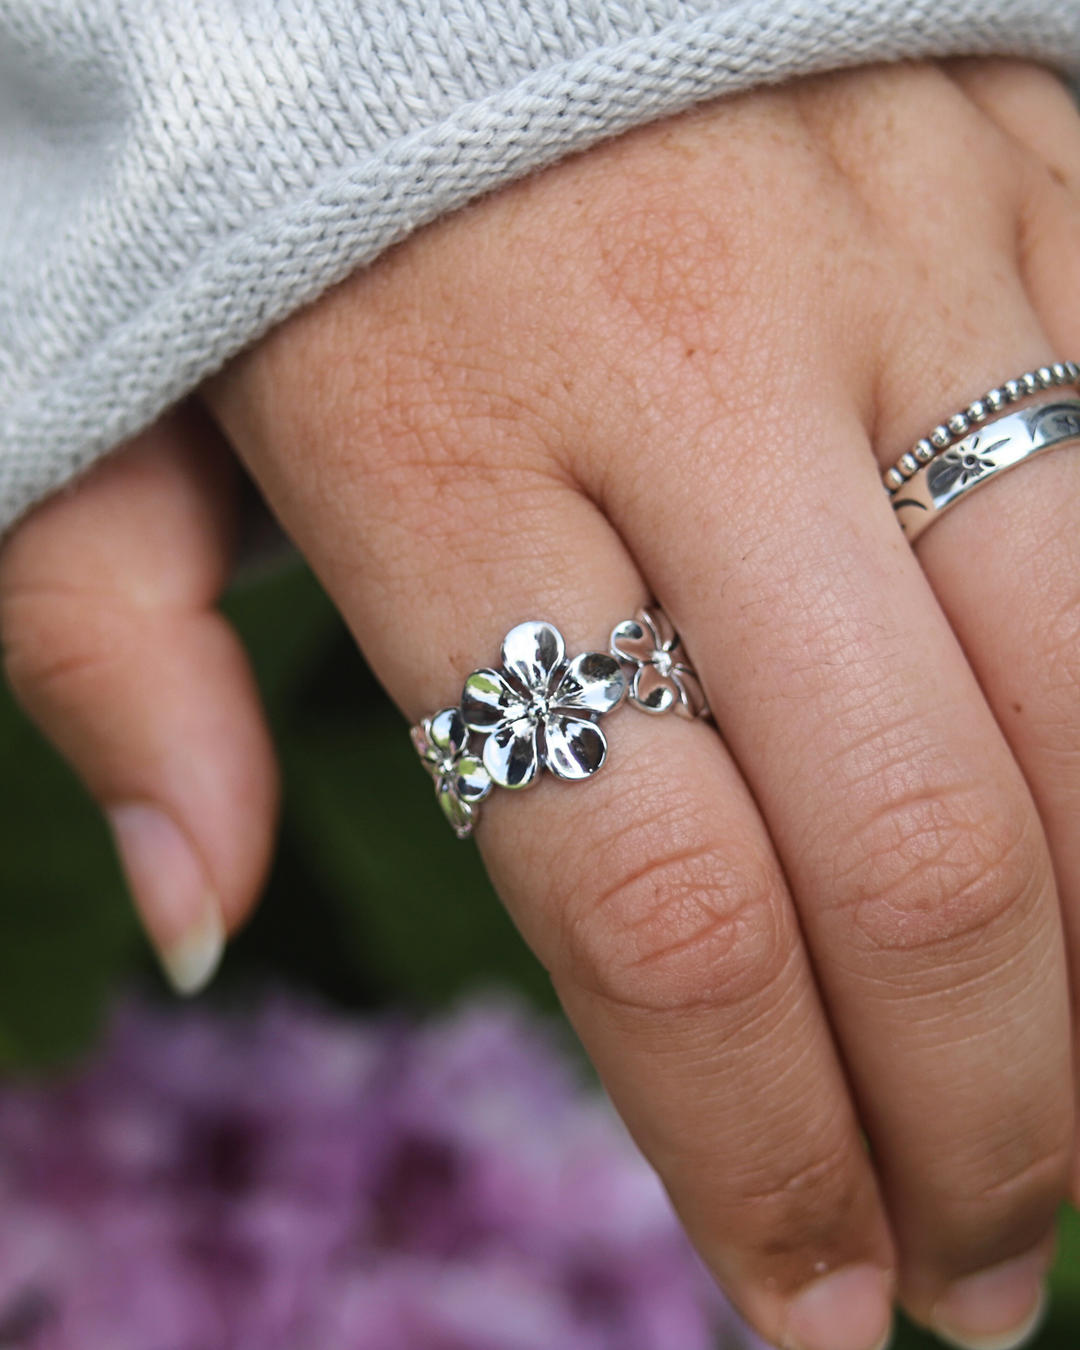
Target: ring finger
[[906, 831]]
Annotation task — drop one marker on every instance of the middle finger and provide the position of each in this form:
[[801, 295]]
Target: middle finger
[[906, 829]]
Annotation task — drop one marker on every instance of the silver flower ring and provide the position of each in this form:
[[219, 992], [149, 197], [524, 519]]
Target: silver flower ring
[[663, 679], [461, 781], [540, 710]]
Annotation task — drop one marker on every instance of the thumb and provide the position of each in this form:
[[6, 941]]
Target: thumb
[[114, 647]]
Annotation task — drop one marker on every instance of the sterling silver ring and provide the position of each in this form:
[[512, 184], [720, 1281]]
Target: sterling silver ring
[[541, 710], [993, 449], [994, 401]]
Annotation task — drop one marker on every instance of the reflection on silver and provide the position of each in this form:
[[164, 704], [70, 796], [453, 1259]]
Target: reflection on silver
[[461, 781], [663, 679], [994, 401], [539, 710], [997, 446]]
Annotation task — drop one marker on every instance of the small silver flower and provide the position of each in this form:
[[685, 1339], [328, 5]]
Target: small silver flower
[[663, 679], [540, 710], [969, 465], [461, 781], [961, 465]]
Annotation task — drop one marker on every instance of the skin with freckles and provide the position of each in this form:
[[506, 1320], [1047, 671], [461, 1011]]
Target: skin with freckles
[[674, 367]]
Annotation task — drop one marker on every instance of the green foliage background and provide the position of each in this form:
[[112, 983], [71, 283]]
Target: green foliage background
[[371, 901]]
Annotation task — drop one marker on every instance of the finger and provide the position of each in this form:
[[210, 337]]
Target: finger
[[904, 826], [918, 866], [113, 645], [1040, 126], [1006, 564], [1032, 106], [651, 891]]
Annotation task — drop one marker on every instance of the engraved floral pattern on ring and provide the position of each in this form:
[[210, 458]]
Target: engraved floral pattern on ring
[[964, 467], [461, 781], [540, 710], [663, 679]]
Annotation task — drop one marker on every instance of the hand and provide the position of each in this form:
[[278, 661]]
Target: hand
[[674, 367]]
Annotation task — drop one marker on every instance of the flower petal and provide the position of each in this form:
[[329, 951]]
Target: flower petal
[[653, 692], [472, 782], [532, 652], [511, 754], [593, 682], [488, 701], [632, 641], [694, 703], [575, 748], [667, 640], [460, 814], [429, 753], [448, 731]]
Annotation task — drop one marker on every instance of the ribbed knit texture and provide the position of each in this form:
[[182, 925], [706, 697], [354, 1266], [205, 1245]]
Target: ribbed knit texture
[[178, 175]]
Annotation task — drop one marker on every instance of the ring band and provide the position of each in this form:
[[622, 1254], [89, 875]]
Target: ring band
[[993, 449], [958, 426], [540, 710]]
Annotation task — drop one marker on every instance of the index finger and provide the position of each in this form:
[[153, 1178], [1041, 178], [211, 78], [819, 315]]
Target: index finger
[[650, 891]]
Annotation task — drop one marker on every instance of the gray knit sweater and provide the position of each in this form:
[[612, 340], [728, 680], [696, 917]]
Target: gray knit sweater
[[178, 175]]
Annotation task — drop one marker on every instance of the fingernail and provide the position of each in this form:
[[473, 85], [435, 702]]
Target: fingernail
[[997, 1309], [179, 908], [191, 961], [851, 1309]]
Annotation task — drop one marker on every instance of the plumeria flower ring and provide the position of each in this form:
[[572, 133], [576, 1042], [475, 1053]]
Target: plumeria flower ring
[[663, 679], [540, 710], [461, 781]]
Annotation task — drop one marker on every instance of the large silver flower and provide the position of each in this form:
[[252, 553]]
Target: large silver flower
[[540, 710], [461, 781], [663, 679]]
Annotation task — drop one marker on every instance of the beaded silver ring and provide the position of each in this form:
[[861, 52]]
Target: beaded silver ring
[[957, 427]]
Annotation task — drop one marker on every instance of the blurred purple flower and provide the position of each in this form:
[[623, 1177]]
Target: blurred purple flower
[[289, 1180]]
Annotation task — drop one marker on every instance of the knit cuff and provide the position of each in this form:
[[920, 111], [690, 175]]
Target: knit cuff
[[202, 168]]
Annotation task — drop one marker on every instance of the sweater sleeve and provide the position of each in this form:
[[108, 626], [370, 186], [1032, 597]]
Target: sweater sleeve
[[176, 176]]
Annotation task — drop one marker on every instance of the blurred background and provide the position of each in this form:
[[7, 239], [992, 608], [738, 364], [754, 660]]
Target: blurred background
[[372, 904]]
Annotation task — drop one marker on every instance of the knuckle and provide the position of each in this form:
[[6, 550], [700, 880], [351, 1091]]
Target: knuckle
[[458, 458], [671, 265], [1014, 1203], [451, 416], [942, 868], [691, 921], [1036, 1178], [799, 1204], [431, 390], [54, 641], [428, 403]]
